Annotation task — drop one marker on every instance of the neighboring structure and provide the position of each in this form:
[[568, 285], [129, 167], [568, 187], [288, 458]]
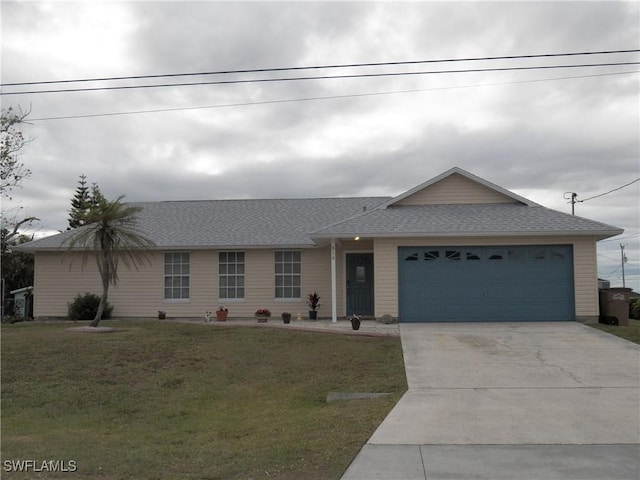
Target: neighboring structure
[[23, 302], [456, 248], [602, 283]]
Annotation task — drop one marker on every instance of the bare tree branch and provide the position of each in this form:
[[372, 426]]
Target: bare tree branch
[[12, 171]]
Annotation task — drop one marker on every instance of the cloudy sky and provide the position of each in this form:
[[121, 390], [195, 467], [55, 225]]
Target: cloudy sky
[[537, 132]]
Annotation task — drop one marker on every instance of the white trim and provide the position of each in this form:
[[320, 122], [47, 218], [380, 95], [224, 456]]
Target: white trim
[[21, 290], [334, 294]]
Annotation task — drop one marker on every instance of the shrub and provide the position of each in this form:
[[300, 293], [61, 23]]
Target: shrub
[[85, 307], [634, 308]]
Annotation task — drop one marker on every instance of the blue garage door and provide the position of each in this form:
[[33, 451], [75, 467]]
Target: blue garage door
[[490, 284]]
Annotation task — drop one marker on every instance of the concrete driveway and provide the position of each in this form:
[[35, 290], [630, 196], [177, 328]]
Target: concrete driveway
[[548, 401]]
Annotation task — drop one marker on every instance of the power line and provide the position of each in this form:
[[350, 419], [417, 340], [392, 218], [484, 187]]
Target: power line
[[318, 67], [626, 237], [608, 258], [306, 99], [610, 191], [322, 77]]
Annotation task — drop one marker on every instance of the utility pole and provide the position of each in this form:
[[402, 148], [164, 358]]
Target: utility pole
[[573, 200], [623, 259]]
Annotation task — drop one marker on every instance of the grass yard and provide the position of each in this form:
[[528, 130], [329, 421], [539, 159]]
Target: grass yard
[[162, 400], [631, 332]]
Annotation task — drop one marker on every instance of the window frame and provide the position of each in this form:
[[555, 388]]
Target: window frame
[[291, 275], [235, 275], [180, 276]]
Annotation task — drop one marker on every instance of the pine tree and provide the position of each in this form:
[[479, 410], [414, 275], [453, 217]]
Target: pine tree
[[80, 204]]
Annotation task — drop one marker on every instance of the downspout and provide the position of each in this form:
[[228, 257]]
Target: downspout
[[334, 308]]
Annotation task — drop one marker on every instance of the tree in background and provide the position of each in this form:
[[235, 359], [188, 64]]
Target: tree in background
[[12, 171], [82, 202], [16, 268], [110, 234]]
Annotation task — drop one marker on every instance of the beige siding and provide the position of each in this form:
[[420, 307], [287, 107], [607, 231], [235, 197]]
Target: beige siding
[[141, 294], [58, 279], [585, 267], [455, 189], [585, 273]]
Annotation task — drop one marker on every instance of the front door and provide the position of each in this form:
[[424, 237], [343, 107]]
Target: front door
[[359, 284]]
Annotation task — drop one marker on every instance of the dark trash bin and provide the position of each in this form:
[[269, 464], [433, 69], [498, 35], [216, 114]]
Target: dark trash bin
[[614, 306]]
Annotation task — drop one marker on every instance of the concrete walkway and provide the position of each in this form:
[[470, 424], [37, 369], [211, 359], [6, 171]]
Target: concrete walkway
[[547, 401]]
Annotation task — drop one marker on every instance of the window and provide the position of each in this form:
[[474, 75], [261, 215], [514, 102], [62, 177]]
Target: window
[[472, 256], [431, 255], [495, 255], [411, 258], [231, 275], [176, 275], [361, 273], [452, 254], [288, 268]]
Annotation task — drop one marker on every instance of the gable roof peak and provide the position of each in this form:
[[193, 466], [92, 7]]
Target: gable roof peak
[[468, 176]]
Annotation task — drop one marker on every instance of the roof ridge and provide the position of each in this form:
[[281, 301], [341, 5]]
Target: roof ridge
[[201, 200], [357, 215]]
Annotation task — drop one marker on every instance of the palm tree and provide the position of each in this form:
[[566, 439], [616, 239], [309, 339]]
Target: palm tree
[[111, 235]]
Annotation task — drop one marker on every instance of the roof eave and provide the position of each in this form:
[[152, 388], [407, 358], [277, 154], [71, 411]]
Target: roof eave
[[188, 247], [598, 234]]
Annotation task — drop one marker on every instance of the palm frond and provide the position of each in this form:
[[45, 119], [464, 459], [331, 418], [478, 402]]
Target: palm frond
[[111, 236]]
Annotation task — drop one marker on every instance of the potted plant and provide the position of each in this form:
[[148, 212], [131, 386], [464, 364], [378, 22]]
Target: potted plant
[[286, 317], [313, 301], [221, 314], [162, 315], [355, 321], [263, 314]]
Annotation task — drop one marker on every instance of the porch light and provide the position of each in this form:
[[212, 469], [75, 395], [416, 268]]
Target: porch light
[[357, 238]]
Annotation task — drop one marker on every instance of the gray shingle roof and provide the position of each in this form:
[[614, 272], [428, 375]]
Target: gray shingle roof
[[234, 223], [303, 222], [465, 220]]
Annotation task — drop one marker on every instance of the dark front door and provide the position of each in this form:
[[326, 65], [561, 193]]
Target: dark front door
[[360, 283]]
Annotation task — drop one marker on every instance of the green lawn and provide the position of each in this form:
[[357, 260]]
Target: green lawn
[[631, 332], [162, 400]]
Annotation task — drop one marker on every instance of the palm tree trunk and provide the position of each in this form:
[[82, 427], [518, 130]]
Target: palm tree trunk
[[101, 305], [105, 291]]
